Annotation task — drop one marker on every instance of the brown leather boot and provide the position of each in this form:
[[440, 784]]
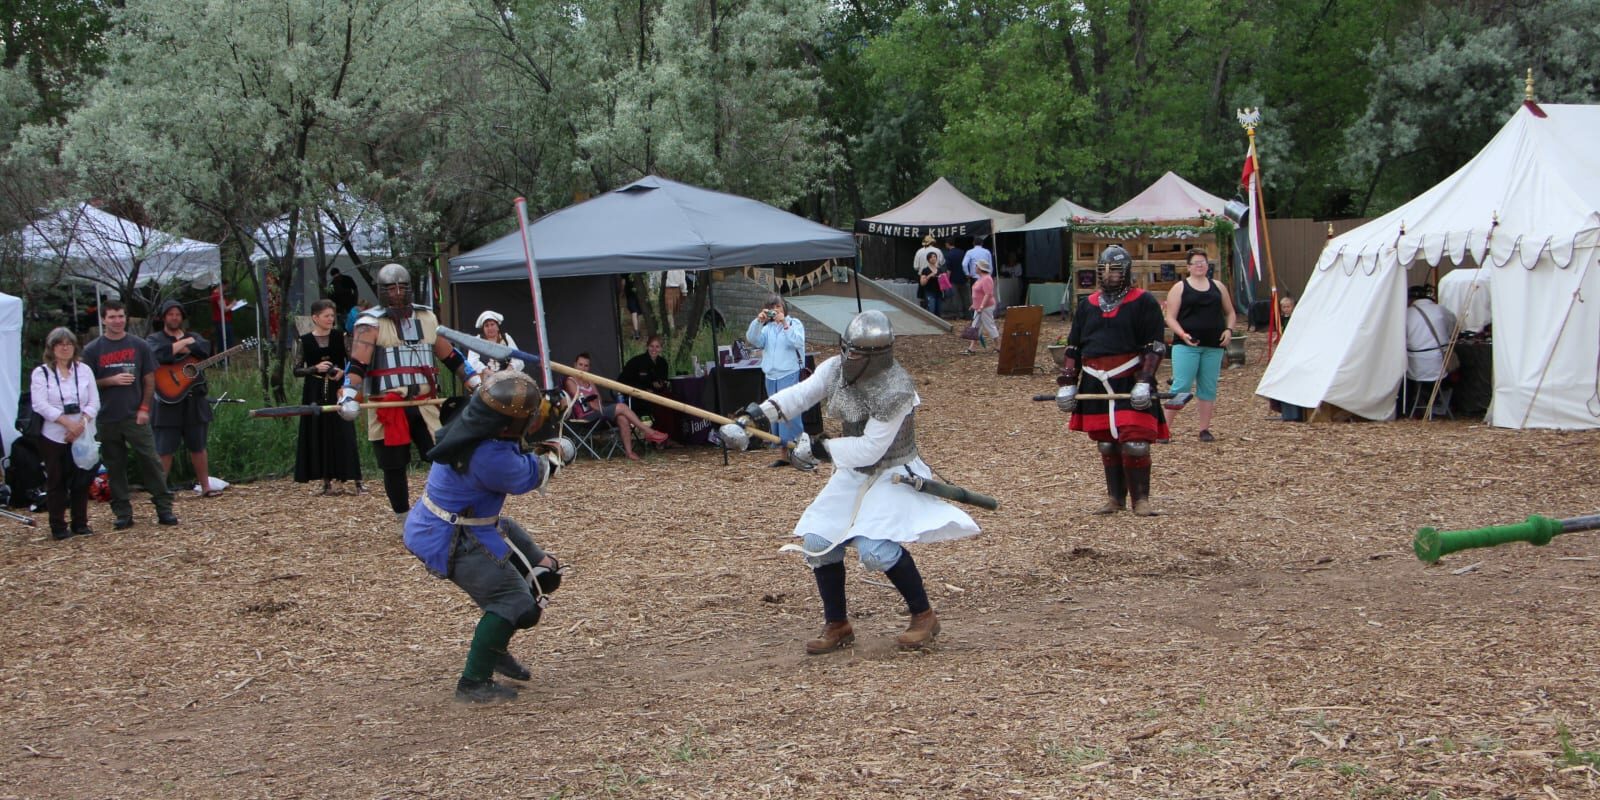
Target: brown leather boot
[[1139, 490], [835, 635], [1116, 484], [1111, 506], [920, 632]]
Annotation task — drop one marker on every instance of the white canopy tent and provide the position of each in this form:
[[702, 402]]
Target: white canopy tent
[[1060, 214], [1170, 198], [93, 246], [10, 367], [940, 210], [1527, 208]]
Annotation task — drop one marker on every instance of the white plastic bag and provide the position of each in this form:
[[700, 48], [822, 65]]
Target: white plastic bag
[[85, 448]]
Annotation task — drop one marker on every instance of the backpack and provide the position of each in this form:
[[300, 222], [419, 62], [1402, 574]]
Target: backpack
[[25, 474]]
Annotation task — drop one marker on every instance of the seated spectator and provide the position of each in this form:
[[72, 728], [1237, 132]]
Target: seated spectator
[[647, 371], [64, 394], [1429, 328], [587, 404], [489, 328]]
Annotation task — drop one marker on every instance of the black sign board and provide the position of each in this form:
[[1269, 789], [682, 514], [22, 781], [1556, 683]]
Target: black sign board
[[958, 230]]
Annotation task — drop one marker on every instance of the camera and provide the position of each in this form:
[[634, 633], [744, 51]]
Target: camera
[[71, 408]]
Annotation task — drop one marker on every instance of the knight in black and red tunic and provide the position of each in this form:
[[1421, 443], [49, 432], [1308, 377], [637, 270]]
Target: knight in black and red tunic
[[1114, 348]]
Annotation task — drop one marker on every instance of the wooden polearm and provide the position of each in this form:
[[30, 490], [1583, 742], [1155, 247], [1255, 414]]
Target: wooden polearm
[[500, 352]]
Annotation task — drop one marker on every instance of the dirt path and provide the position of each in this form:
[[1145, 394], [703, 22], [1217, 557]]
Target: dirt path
[[1269, 636]]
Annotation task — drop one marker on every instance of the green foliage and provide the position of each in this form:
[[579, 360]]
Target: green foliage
[[1450, 80]]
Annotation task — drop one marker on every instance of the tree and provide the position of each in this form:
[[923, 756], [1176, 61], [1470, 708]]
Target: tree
[[234, 113], [1450, 81]]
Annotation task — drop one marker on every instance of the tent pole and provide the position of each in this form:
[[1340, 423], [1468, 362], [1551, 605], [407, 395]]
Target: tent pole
[[716, 365], [855, 268]]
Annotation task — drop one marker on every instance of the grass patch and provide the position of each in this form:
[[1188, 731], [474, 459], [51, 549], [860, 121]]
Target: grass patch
[[1074, 756], [243, 448], [1572, 756]]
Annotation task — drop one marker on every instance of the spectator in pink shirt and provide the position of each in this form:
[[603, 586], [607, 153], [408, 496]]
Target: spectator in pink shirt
[[983, 305]]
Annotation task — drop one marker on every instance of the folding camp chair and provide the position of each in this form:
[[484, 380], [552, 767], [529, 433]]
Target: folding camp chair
[[593, 435]]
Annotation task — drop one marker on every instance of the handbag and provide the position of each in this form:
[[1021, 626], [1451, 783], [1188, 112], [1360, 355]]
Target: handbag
[[970, 333], [944, 281]]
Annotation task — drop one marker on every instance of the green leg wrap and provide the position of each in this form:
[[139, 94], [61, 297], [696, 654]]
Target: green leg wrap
[[489, 642]]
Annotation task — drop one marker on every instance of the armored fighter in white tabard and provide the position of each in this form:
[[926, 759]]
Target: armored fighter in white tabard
[[875, 400]]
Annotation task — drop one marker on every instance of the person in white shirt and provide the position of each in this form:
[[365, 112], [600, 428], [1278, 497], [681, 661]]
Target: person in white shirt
[[929, 245], [63, 393], [672, 289], [1429, 328]]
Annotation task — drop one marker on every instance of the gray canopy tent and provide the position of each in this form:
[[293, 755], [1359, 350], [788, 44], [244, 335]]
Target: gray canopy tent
[[650, 225]]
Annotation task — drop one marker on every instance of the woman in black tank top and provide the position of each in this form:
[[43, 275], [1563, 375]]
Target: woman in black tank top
[[1201, 315]]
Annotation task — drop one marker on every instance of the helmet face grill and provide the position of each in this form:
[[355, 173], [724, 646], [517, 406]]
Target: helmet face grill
[[394, 277], [1115, 269]]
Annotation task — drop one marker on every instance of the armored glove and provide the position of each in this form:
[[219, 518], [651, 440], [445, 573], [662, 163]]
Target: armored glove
[[349, 409], [808, 452], [1141, 396], [549, 465], [474, 381], [1067, 398], [756, 416], [734, 436]]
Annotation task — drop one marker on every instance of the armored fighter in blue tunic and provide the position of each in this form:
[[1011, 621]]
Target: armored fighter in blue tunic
[[457, 531]]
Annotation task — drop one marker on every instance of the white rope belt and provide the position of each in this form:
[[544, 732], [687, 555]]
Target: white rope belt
[[456, 519], [1105, 376]]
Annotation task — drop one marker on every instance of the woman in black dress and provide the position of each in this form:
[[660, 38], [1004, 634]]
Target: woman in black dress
[[327, 447]]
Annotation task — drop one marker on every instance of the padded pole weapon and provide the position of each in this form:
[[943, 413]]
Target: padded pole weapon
[[15, 517], [500, 352], [306, 411], [948, 491], [1430, 544], [538, 299]]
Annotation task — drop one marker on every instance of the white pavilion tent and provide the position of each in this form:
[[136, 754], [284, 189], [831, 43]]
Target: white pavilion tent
[[1527, 209]]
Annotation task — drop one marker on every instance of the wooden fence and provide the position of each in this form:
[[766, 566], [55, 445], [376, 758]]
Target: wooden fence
[[1296, 244]]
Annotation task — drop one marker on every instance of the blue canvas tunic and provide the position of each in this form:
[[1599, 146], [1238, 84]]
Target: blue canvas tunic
[[498, 468]]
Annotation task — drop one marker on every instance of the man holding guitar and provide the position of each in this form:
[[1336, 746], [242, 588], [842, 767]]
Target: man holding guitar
[[188, 419]]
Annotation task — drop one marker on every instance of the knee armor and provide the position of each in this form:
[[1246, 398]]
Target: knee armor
[[1136, 449]]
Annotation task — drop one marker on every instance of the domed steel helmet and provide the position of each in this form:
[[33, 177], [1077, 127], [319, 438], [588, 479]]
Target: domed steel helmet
[[868, 345], [1116, 269], [516, 396], [394, 275]]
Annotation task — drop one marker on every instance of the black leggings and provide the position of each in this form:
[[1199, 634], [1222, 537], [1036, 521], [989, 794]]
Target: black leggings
[[394, 459]]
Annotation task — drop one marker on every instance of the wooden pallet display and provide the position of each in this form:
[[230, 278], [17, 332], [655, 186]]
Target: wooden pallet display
[[1158, 262]]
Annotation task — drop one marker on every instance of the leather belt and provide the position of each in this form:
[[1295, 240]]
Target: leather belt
[[456, 519]]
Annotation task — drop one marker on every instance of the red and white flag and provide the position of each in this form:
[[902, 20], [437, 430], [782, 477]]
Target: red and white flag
[[1252, 225]]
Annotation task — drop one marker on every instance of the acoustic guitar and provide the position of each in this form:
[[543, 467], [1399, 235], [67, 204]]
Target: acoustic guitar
[[173, 381]]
